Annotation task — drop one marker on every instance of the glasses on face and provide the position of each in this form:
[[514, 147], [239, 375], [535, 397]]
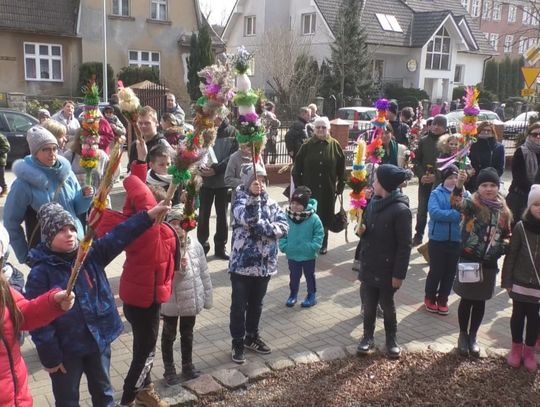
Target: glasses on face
[[535, 134], [49, 149]]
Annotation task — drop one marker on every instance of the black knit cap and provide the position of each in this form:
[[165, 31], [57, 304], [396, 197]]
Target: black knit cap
[[301, 195], [449, 171], [393, 107], [390, 176], [488, 174]]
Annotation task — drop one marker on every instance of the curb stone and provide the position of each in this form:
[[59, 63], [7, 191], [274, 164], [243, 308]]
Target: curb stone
[[441, 347], [202, 385], [230, 378], [254, 370], [332, 353], [305, 357], [415, 347], [176, 395], [497, 352], [351, 350], [280, 363]]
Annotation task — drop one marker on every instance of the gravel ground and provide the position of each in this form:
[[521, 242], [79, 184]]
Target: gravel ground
[[419, 379]]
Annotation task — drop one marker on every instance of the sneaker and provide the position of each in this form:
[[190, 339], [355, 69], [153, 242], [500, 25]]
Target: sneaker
[[148, 397], [256, 344], [431, 306], [171, 379], [238, 355], [442, 308]]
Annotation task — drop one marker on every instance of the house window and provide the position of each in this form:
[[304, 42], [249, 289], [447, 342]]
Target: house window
[[389, 23], [459, 73], [159, 10], [534, 18], [42, 62], [475, 8], [522, 45], [438, 51], [526, 19], [494, 40], [508, 41], [251, 67], [308, 24], [532, 42], [512, 11], [120, 8], [497, 10], [147, 59], [377, 70], [465, 4], [249, 26], [486, 10]]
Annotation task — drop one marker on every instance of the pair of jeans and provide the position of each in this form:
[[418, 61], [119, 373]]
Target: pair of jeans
[[145, 328], [219, 198], [385, 297], [168, 336], [424, 191], [96, 368], [295, 268], [246, 306], [520, 312], [443, 260]]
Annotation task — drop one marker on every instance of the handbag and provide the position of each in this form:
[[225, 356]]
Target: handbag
[[527, 290], [470, 273], [340, 219]]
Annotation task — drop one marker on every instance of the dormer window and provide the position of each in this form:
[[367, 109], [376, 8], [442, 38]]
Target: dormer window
[[308, 24], [389, 22], [249, 26], [438, 51]]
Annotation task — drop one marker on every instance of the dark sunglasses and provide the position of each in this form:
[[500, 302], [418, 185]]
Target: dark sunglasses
[[535, 134]]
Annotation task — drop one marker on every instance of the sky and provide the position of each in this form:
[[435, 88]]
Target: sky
[[219, 10]]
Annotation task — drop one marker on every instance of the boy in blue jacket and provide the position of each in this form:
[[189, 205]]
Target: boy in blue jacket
[[79, 341], [302, 244], [444, 243]]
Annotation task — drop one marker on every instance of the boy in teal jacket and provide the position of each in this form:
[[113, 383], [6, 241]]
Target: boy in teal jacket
[[302, 244]]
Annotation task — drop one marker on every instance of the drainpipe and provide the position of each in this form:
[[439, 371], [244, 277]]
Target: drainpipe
[[484, 68]]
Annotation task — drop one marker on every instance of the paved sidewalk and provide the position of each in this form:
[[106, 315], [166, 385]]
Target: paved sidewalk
[[334, 321]]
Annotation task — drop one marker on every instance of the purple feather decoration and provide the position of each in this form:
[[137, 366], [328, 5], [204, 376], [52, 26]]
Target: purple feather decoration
[[382, 104]]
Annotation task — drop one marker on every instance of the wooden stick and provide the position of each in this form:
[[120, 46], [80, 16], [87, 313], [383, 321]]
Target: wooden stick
[[168, 198]]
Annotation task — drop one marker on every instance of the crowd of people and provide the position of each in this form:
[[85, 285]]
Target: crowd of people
[[165, 274]]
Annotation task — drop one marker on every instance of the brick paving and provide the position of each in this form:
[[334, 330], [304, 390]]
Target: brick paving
[[334, 321]]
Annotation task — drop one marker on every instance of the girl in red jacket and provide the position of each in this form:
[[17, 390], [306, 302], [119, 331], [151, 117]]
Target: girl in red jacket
[[18, 314]]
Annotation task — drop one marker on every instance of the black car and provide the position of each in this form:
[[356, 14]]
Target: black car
[[14, 125]]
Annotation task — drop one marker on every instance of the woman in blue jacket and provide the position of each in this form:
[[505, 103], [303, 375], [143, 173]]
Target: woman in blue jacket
[[444, 243], [302, 244]]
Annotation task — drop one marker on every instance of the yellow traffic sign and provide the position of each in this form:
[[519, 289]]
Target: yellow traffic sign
[[530, 74], [527, 92], [532, 55]]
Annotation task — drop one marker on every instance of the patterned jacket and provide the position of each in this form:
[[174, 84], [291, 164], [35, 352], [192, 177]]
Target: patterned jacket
[[258, 224]]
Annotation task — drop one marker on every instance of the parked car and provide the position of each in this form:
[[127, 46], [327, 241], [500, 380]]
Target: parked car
[[358, 117], [516, 126], [455, 118], [14, 125]]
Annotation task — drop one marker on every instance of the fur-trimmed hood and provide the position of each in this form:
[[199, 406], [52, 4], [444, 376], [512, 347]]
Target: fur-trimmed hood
[[37, 175]]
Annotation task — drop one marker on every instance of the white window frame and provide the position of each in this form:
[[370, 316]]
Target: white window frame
[[486, 10], [438, 41], [532, 43], [158, 15], [120, 5], [494, 40], [475, 8], [38, 58], [534, 18], [309, 23], [389, 22], [460, 68], [465, 4], [508, 42], [142, 63], [497, 11], [526, 18], [253, 31], [512, 12], [522, 44]]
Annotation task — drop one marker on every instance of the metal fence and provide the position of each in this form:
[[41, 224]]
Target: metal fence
[[153, 95]]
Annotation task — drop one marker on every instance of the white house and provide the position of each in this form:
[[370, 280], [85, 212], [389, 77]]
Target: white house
[[429, 44]]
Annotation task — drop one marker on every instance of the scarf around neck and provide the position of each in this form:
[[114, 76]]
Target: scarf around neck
[[531, 223], [529, 150], [299, 217], [492, 204]]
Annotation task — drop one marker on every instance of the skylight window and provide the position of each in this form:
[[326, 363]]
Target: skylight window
[[389, 23]]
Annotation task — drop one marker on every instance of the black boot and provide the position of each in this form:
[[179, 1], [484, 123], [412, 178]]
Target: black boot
[[463, 343], [474, 348], [189, 372], [324, 249], [221, 253], [392, 348], [366, 345]]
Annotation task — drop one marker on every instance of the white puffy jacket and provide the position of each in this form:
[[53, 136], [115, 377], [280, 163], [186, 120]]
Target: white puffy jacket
[[192, 287]]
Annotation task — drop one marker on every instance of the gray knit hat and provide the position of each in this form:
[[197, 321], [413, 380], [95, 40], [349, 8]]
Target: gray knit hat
[[39, 136], [52, 218], [176, 213], [246, 173], [440, 120]]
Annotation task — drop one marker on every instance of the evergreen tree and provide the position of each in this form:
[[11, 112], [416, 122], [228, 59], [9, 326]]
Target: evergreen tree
[[349, 59], [507, 84], [201, 55], [501, 94], [491, 77], [515, 78]]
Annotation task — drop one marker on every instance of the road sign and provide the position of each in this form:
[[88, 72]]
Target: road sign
[[530, 74], [527, 92], [532, 55]]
